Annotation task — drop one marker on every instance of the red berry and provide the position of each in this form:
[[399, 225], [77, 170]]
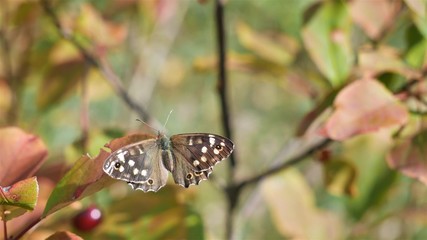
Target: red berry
[[88, 219]]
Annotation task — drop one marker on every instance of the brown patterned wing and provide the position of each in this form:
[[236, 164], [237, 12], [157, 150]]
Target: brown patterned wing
[[195, 155], [138, 164]]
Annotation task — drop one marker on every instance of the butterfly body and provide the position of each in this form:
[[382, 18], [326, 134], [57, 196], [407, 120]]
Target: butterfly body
[[189, 157]]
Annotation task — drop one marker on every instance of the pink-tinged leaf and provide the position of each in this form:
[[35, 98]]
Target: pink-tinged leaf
[[327, 39], [374, 18], [17, 199], [364, 106], [293, 209], [21, 155], [374, 61], [410, 157], [64, 236], [86, 177], [19, 224]]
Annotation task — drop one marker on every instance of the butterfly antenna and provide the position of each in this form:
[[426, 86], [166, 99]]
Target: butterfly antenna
[[148, 125], [167, 119]]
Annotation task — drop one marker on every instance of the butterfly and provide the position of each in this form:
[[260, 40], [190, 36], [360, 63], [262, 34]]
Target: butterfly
[[190, 158]]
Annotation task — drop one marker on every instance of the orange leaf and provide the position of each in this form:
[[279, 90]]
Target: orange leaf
[[362, 107]]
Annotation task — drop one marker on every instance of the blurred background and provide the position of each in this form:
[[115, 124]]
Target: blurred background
[[284, 60]]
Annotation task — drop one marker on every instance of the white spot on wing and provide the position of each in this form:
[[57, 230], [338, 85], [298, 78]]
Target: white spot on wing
[[196, 163], [204, 149], [121, 169], [144, 172], [210, 135], [140, 151], [216, 151], [203, 159], [190, 142], [121, 156], [222, 144], [212, 141], [131, 163], [135, 171]]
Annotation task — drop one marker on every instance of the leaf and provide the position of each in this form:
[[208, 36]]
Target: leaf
[[19, 224], [17, 199], [292, 206], [22, 155], [374, 179], [373, 18], [86, 177], [340, 177], [161, 215], [419, 16], [327, 39], [410, 157], [102, 32], [60, 81], [65, 235], [374, 61], [280, 50], [364, 106]]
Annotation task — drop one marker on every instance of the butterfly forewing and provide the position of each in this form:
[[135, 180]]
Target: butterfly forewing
[[202, 151], [195, 155], [139, 164]]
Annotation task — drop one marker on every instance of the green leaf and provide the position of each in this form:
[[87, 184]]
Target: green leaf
[[86, 177], [292, 205], [327, 39], [160, 215], [19, 198]]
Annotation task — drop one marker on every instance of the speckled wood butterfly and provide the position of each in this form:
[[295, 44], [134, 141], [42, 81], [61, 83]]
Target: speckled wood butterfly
[[189, 157]]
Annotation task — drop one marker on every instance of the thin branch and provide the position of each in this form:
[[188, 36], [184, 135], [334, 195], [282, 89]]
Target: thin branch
[[106, 71], [285, 164], [222, 91], [4, 226], [222, 73], [84, 113]]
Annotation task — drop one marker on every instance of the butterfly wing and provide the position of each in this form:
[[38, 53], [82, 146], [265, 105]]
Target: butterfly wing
[[138, 164], [195, 155]]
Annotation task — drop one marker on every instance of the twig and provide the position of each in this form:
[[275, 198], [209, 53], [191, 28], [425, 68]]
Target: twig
[[222, 91], [107, 72], [4, 226], [84, 113], [285, 164]]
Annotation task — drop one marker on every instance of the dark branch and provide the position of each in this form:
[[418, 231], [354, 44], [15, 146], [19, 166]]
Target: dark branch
[[222, 72], [108, 73], [286, 163]]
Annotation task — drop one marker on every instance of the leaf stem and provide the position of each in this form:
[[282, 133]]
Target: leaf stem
[[4, 226]]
